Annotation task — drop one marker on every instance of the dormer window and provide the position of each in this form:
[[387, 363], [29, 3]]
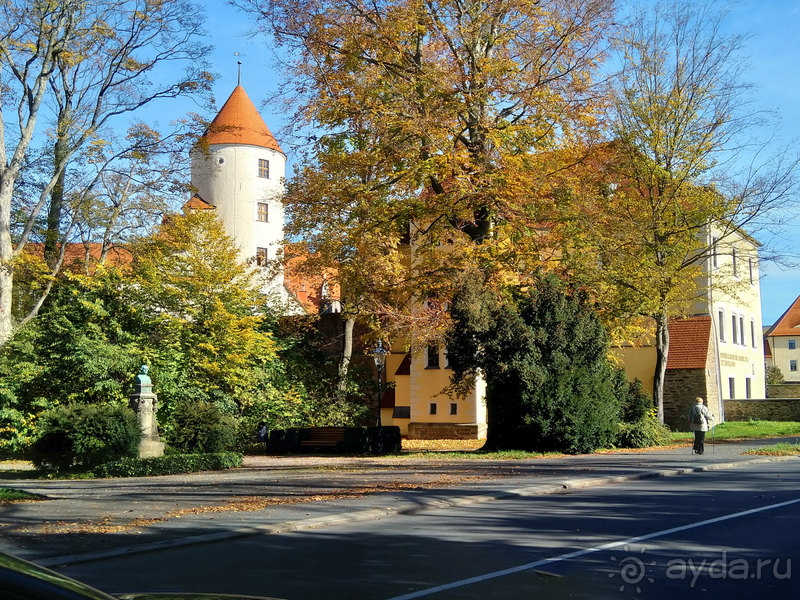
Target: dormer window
[[263, 168]]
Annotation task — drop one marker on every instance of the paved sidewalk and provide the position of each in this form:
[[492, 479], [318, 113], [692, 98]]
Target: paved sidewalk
[[88, 519]]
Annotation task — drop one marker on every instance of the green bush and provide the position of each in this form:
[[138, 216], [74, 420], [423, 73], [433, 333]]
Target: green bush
[[774, 376], [357, 440], [86, 435], [199, 427], [364, 440], [542, 351], [284, 441], [169, 465], [643, 433], [635, 402]]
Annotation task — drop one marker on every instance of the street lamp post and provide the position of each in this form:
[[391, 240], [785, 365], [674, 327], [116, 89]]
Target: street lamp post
[[379, 356]]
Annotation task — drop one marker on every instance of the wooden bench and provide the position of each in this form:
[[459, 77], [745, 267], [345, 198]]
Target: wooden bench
[[323, 437]]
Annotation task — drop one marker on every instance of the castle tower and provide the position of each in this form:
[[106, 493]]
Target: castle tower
[[238, 169]]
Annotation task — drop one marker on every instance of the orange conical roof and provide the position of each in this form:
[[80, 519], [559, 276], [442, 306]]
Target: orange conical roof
[[238, 122]]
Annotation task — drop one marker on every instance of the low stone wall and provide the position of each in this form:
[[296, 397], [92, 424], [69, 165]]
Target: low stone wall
[[783, 390], [784, 409], [446, 431]]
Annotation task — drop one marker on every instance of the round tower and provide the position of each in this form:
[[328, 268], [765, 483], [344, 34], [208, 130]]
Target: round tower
[[238, 169]]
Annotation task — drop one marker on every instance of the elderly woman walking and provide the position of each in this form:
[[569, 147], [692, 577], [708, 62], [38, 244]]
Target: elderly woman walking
[[699, 418]]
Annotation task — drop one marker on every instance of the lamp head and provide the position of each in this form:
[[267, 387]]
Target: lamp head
[[379, 355]]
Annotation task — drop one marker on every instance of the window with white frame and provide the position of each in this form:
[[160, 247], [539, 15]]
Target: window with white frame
[[741, 331], [792, 345], [732, 387], [751, 267], [753, 332], [748, 389], [263, 168], [793, 365], [262, 257], [734, 330], [721, 325], [263, 212], [734, 260], [432, 357]]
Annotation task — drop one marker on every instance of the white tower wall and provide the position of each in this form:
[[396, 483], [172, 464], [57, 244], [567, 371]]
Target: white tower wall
[[228, 178]]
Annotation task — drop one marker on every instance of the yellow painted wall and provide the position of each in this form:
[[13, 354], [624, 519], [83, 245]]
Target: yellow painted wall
[[401, 392], [639, 363]]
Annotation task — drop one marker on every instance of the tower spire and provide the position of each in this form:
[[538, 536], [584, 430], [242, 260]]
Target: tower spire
[[238, 62]]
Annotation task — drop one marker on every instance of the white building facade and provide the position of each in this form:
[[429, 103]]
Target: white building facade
[[238, 170]]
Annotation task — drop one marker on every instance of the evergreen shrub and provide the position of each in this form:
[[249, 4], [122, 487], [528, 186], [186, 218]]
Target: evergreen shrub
[[542, 351], [643, 433], [85, 435], [200, 428], [169, 465], [364, 440]]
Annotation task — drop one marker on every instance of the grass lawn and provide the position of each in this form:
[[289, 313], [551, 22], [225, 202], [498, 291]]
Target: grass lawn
[[11, 495], [732, 430], [782, 449]]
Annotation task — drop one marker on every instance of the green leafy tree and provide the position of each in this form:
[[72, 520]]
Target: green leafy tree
[[774, 375], [85, 349], [205, 340], [543, 353]]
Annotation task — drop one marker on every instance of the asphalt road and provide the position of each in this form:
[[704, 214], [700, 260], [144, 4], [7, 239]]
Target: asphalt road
[[720, 534]]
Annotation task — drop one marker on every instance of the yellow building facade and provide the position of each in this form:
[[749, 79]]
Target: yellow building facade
[[716, 353]]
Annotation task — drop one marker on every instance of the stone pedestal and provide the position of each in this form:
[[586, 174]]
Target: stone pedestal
[[145, 404]]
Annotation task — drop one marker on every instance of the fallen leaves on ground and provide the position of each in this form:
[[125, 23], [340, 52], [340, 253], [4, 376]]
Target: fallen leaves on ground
[[241, 504], [442, 445], [776, 450]]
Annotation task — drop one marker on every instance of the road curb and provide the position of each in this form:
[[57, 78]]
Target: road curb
[[375, 514]]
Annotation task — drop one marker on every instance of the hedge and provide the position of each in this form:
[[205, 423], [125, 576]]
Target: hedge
[[357, 440], [169, 465]]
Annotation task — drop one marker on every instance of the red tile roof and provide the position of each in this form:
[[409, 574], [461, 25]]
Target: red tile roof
[[75, 256], [788, 323], [767, 349], [197, 203], [688, 343], [238, 122]]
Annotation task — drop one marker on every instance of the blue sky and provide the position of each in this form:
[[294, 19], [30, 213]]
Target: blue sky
[[774, 58]]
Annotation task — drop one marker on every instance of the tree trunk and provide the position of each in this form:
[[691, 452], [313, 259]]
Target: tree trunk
[[347, 354], [662, 351], [6, 261], [56, 204]]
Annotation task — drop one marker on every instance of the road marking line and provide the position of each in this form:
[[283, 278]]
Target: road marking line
[[579, 553]]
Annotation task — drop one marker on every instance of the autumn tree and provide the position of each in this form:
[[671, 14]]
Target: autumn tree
[[656, 201], [91, 61], [431, 122]]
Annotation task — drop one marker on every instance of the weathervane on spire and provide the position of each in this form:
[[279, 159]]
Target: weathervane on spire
[[238, 62]]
